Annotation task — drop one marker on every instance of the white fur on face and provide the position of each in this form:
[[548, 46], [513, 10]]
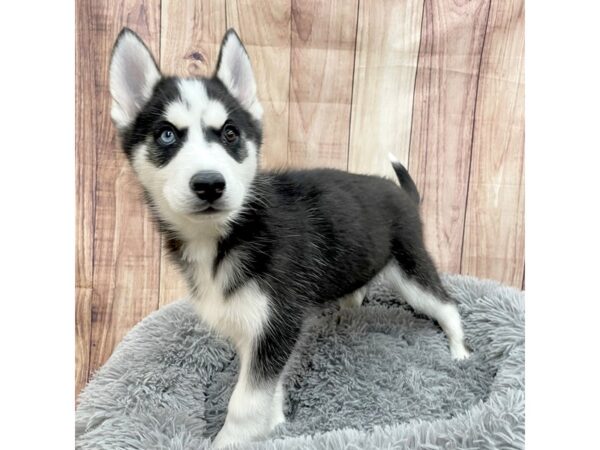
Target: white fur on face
[[169, 185]]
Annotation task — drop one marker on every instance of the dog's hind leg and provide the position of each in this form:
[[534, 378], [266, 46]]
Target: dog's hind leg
[[277, 416], [422, 289], [353, 300]]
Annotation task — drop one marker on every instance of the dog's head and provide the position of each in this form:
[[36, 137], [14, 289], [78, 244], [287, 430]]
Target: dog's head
[[193, 142]]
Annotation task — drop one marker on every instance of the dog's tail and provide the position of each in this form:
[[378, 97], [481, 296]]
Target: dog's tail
[[405, 180]]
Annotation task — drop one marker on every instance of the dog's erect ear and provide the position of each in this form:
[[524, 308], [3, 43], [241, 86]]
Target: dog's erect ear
[[235, 71], [133, 75]]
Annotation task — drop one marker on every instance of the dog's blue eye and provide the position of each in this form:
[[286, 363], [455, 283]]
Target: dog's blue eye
[[167, 137]]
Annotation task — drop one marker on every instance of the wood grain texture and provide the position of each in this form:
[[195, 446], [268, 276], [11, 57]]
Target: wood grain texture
[[126, 247], [265, 28], [83, 331], [387, 49], [442, 129], [322, 61], [494, 229], [85, 166], [85, 154], [191, 33]]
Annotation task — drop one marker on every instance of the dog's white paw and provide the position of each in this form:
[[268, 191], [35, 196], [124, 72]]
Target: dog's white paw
[[225, 438], [354, 299], [242, 433], [459, 351], [277, 419]]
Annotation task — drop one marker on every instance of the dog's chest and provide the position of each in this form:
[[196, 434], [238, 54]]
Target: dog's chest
[[240, 315]]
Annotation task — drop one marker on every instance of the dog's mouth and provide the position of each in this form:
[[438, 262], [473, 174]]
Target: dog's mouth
[[208, 211]]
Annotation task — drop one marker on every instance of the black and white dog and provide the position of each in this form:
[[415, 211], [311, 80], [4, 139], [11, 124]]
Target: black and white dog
[[260, 250]]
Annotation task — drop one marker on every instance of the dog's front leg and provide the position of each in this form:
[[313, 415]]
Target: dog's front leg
[[251, 413], [256, 405]]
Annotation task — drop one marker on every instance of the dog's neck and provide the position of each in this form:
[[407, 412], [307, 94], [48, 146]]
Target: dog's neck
[[195, 254], [184, 240], [203, 244]]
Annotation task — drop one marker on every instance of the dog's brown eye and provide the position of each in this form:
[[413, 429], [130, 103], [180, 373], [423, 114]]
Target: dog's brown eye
[[230, 134]]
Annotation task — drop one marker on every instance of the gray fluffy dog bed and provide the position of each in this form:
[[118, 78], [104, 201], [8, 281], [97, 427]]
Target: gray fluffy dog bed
[[374, 377]]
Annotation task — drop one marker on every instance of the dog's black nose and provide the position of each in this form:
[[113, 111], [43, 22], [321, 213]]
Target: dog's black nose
[[208, 185]]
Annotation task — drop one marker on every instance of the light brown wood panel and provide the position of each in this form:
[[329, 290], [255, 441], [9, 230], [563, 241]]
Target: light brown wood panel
[[191, 33], [494, 230], [83, 316], [387, 49], [85, 166], [322, 61], [444, 104], [85, 155], [126, 247], [265, 28]]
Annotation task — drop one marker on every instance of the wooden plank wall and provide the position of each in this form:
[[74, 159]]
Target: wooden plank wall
[[343, 83]]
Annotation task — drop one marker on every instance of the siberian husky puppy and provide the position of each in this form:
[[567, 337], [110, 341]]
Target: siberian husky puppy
[[260, 250]]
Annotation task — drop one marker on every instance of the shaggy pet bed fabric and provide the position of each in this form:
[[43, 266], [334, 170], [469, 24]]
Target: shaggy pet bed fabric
[[375, 377]]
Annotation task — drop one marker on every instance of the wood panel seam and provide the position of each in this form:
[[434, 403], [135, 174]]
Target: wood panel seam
[[462, 244], [94, 218], [287, 156], [412, 118], [352, 84], [160, 9]]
